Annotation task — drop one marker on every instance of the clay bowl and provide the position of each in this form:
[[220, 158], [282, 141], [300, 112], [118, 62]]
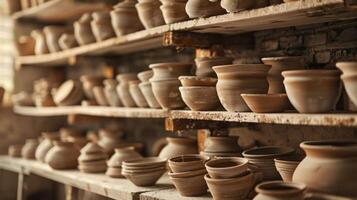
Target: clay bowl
[[144, 162], [188, 81], [349, 78], [15, 151], [146, 167], [144, 179], [145, 75], [143, 170], [114, 172], [200, 98], [137, 95], [194, 185], [233, 188], [167, 93], [313, 91], [266, 103], [280, 190], [219, 154], [286, 166], [92, 157], [222, 168], [222, 145], [173, 11], [150, 14], [165, 71], [99, 96], [205, 64], [146, 89], [186, 163], [92, 169], [188, 173]]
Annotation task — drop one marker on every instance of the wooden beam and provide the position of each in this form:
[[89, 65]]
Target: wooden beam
[[183, 124]]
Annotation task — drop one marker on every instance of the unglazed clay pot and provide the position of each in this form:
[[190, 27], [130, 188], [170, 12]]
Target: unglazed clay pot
[[146, 89], [83, 31], [92, 159], [222, 168], [101, 26], [329, 167], [145, 76], [165, 71], [41, 44], [88, 83], [188, 81], [53, 33], [203, 8], [199, 98], [234, 80], [62, 156], [222, 144], [263, 159], [167, 93], [278, 190], [125, 18], [150, 14], [29, 149], [46, 145], [174, 11], [110, 92], [100, 97], [187, 162], [190, 184], [238, 5], [67, 41], [278, 65], [15, 151], [313, 91], [205, 64], [137, 95], [25, 46], [349, 78], [109, 140], [287, 165], [69, 93], [177, 147], [120, 155], [266, 103], [123, 89]]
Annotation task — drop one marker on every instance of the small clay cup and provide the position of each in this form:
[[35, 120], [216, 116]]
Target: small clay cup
[[200, 98], [174, 11], [223, 168], [137, 95], [167, 93], [146, 89], [278, 190], [266, 103], [188, 162], [187, 81]]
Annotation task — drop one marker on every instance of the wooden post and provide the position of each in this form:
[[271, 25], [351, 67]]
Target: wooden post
[[20, 186]]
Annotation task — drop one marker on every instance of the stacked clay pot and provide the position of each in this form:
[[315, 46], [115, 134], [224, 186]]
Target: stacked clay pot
[[199, 93], [174, 10], [146, 88], [204, 65], [115, 162], [229, 178], [123, 88], [69, 93], [137, 95], [203, 8], [110, 92], [15, 151], [62, 156], [178, 146], [278, 190], [221, 147], [88, 84], [83, 31], [313, 91], [165, 83], [287, 165], [187, 174], [92, 159], [125, 18], [46, 144], [29, 149], [52, 34], [144, 171], [109, 140], [101, 26], [234, 80], [150, 14], [349, 79], [262, 158]]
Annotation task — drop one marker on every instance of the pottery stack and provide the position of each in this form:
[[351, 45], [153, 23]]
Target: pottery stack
[[144, 171], [165, 83], [187, 174], [92, 159], [146, 88], [221, 147], [230, 178], [177, 146]]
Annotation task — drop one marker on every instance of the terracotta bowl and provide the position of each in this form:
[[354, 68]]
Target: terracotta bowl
[[200, 98], [145, 75], [139, 171], [144, 179], [92, 157], [190, 186], [146, 167], [266, 103], [278, 189], [146, 89], [166, 71], [313, 91], [221, 144], [186, 163], [349, 78], [286, 166], [144, 162], [167, 93], [187, 173], [137, 95], [188, 81], [227, 167]]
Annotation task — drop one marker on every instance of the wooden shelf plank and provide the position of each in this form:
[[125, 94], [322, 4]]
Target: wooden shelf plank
[[170, 194], [55, 11], [277, 16]]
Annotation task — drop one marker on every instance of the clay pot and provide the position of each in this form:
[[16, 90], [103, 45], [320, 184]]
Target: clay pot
[[67, 41], [101, 26], [205, 64], [188, 81], [88, 84], [336, 163], [234, 80], [177, 147], [165, 71], [222, 144], [123, 89], [349, 79], [236, 6], [286, 166], [62, 156], [227, 167], [12, 6], [278, 65], [83, 31], [150, 14], [203, 8], [313, 91], [190, 186], [29, 149], [266, 103], [110, 92], [278, 190], [100, 97], [25, 45], [188, 162], [199, 98], [174, 11], [15, 151], [125, 18], [263, 159], [137, 95], [53, 33], [109, 140], [68, 132], [120, 155], [41, 44], [146, 89], [92, 159], [22, 99], [167, 93], [145, 76], [69, 93], [46, 145]]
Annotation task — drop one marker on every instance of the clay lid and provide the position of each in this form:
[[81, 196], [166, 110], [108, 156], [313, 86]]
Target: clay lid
[[92, 148], [280, 188], [64, 91]]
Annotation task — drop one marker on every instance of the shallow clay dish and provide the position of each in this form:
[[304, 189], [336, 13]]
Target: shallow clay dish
[[197, 81], [200, 98], [227, 167], [266, 103], [186, 163]]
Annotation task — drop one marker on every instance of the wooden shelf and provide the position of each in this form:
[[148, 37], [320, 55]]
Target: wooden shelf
[[278, 16], [59, 11]]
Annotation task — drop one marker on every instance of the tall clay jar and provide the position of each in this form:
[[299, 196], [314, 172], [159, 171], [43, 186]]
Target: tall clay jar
[[278, 190], [63, 155], [29, 149], [329, 167], [178, 146], [234, 80], [46, 145], [123, 89]]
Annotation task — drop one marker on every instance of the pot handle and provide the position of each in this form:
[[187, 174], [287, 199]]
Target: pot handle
[[320, 196]]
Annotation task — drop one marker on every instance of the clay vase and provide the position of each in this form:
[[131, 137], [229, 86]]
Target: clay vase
[[53, 33], [278, 65], [63, 155], [67, 41], [99, 95], [167, 93], [174, 10], [111, 93], [278, 190], [137, 95], [150, 14], [125, 18], [41, 44], [25, 46], [146, 89], [205, 64], [123, 89], [46, 144], [177, 147], [287, 165], [349, 79], [203, 8], [29, 149], [238, 5], [15, 151], [222, 145], [83, 31], [109, 140], [101, 26], [313, 91], [329, 167], [234, 80], [165, 71], [88, 84]]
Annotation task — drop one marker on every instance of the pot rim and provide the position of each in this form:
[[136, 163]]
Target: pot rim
[[293, 188], [198, 78], [283, 151], [311, 72], [175, 64], [145, 161], [180, 139], [188, 174], [228, 181], [129, 76], [240, 160], [200, 158], [282, 58], [197, 87], [343, 64], [328, 145], [280, 95], [249, 67]]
